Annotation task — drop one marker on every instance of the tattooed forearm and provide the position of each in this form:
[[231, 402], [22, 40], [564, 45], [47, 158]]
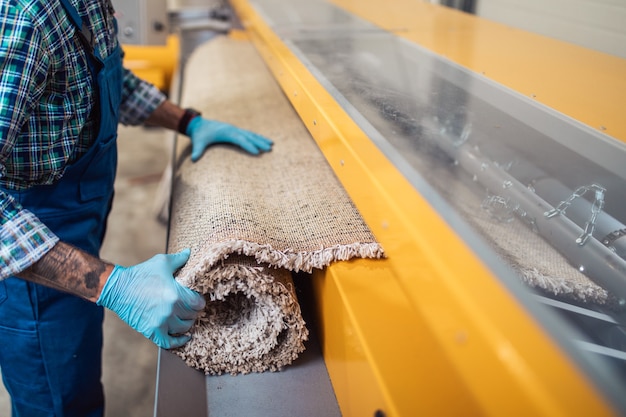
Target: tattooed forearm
[[69, 269]]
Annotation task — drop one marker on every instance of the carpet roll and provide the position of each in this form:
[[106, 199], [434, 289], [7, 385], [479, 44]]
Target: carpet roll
[[251, 220], [252, 322]]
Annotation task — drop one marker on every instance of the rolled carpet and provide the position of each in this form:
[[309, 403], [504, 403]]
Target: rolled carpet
[[250, 220], [252, 322]]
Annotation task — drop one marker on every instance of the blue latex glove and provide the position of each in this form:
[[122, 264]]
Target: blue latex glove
[[204, 133], [149, 300]]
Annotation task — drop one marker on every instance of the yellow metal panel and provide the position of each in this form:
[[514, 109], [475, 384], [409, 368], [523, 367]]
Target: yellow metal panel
[[380, 354], [155, 64], [460, 336], [586, 85]]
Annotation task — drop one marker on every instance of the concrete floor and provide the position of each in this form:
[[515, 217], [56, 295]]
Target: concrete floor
[[134, 234]]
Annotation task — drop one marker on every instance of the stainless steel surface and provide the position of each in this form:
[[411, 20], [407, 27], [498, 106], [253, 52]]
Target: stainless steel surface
[[187, 17], [180, 390], [174, 5], [302, 389]]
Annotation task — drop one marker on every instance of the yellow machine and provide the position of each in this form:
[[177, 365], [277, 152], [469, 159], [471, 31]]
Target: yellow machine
[[482, 158], [435, 329], [154, 63]]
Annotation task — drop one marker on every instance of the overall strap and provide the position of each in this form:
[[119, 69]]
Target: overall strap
[[83, 32]]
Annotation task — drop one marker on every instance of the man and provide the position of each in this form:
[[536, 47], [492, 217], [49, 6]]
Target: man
[[62, 93]]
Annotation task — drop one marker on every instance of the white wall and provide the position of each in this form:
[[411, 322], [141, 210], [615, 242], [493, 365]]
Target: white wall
[[596, 24]]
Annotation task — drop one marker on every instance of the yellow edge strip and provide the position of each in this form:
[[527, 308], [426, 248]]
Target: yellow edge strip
[[586, 85], [504, 353]]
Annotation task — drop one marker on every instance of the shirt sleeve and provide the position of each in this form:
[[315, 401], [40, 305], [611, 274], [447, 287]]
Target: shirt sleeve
[[139, 99], [23, 237], [23, 241]]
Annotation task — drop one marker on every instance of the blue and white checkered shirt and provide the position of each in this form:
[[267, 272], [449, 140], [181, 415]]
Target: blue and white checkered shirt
[[46, 99]]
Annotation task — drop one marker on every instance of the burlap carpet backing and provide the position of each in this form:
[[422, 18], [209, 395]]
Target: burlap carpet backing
[[535, 261], [537, 264], [249, 220]]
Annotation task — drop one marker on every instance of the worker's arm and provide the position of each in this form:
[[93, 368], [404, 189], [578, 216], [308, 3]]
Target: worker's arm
[[143, 103], [70, 269], [145, 296], [166, 115], [204, 133]]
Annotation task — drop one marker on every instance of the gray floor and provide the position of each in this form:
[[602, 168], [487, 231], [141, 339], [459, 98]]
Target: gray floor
[[133, 235]]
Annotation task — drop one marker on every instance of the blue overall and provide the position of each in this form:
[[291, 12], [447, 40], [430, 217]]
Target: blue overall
[[50, 341]]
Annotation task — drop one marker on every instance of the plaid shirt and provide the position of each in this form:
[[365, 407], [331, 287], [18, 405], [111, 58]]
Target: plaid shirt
[[46, 99]]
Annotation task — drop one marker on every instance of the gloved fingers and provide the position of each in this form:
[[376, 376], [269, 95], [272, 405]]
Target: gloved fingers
[[262, 142], [178, 326], [177, 341], [177, 260], [261, 146], [247, 145], [170, 342], [190, 302], [236, 139], [197, 149], [251, 142], [168, 338]]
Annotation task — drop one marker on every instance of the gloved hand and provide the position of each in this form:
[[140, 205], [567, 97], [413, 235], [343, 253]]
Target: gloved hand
[[204, 133], [148, 299]]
